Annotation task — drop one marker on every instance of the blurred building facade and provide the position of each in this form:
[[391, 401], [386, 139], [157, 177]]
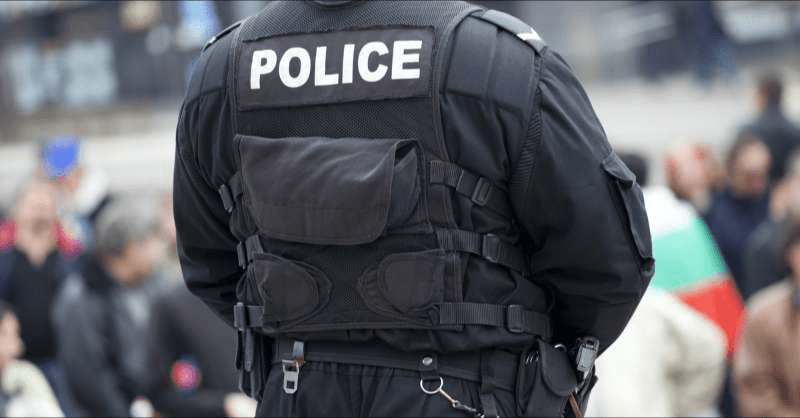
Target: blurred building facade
[[93, 67]]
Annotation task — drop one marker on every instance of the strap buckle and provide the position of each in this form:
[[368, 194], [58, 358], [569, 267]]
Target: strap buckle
[[490, 247], [515, 319], [227, 197], [481, 192], [239, 316]]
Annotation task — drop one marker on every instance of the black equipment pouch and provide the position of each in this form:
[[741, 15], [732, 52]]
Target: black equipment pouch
[[545, 381]]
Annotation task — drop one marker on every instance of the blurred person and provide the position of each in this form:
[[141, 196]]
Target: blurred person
[[31, 273], [738, 210], [712, 51], [670, 359], [668, 362], [766, 366], [693, 173], [24, 391], [763, 262], [82, 192], [69, 246], [102, 312], [781, 135], [191, 360]]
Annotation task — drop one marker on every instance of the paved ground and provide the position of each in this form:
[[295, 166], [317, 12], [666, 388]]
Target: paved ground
[[637, 117]]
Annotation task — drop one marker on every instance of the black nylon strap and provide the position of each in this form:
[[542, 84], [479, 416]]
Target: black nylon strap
[[488, 246], [512, 317], [247, 249], [479, 189]]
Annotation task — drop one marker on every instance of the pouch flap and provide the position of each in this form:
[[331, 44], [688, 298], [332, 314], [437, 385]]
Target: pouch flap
[[318, 190], [615, 167], [557, 370]]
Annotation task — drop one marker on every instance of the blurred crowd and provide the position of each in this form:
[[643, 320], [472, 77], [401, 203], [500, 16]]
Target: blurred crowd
[[94, 317], [694, 349]]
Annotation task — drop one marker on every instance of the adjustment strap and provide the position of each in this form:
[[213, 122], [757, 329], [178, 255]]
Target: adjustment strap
[[480, 190], [247, 249], [488, 246], [247, 316], [514, 318], [230, 192], [514, 25]]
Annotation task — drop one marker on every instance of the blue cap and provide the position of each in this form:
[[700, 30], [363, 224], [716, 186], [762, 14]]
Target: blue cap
[[60, 155]]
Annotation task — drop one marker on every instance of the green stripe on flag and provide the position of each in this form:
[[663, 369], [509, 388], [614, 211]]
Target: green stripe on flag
[[685, 256]]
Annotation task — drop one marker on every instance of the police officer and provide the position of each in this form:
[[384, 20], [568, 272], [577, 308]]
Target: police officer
[[406, 209]]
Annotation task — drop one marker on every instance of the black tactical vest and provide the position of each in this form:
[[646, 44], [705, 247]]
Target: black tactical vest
[[344, 195]]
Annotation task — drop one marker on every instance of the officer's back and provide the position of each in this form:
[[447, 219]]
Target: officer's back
[[402, 187]]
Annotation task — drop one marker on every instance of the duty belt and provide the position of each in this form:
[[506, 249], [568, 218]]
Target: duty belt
[[502, 364]]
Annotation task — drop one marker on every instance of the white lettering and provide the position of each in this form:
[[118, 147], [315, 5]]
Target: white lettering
[[347, 63], [263, 63], [400, 58], [363, 62], [305, 67], [320, 78]]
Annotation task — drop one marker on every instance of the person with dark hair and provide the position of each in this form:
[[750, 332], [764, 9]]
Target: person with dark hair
[[102, 312], [24, 391], [781, 135], [406, 209], [766, 367], [739, 209]]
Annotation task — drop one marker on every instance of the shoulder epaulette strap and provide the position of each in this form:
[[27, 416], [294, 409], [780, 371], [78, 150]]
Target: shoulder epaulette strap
[[512, 24], [222, 33]]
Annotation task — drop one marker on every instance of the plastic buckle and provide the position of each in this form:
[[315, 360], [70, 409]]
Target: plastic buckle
[[515, 319], [490, 247], [239, 316], [227, 197], [482, 191], [241, 255]]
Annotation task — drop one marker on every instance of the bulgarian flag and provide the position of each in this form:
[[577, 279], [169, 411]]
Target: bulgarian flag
[[688, 262]]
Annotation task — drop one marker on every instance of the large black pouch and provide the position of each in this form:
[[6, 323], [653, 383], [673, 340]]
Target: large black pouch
[[330, 191], [545, 380]]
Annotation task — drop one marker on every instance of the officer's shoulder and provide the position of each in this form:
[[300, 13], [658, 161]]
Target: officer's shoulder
[[522, 31], [222, 34]]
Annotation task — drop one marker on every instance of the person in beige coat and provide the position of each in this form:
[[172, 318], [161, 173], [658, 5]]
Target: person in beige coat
[[668, 362], [22, 383], [766, 365]]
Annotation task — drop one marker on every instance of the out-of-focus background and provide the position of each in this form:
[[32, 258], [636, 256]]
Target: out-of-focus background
[[113, 73], [701, 99]]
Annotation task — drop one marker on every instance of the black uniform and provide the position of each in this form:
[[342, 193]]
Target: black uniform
[[414, 191]]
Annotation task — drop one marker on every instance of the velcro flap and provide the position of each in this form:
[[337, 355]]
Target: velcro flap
[[317, 190]]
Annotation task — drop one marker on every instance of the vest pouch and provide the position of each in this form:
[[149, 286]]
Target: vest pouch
[[326, 191], [410, 286], [545, 380], [289, 291]]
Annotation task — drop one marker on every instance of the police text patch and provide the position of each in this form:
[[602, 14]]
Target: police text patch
[[335, 67]]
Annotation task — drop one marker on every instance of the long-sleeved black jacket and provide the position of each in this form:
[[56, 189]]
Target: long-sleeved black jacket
[[579, 207]]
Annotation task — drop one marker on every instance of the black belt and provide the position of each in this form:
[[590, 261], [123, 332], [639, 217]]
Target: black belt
[[462, 365]]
